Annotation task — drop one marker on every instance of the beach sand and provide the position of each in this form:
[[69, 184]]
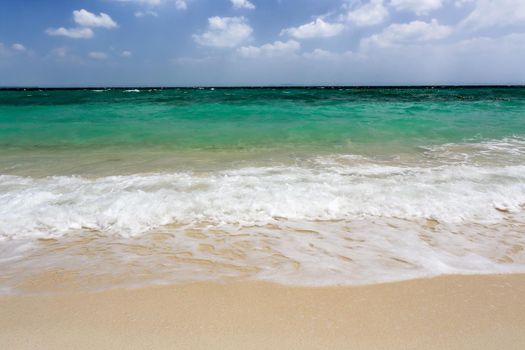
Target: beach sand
[[450, 312]]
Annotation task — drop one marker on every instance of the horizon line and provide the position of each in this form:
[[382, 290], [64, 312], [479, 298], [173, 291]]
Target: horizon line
[[284, 86]]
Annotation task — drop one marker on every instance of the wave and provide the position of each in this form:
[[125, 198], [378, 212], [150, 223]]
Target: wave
[[339, 219], [135, 204], [496, 152]]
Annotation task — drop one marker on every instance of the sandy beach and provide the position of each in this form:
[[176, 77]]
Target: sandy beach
[[450, 312], [262, 175], [262, 218]]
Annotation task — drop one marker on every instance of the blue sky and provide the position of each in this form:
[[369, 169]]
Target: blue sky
[[261, 42]]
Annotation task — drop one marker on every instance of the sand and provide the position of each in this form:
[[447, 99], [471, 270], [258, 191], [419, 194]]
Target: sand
[[452, 312]]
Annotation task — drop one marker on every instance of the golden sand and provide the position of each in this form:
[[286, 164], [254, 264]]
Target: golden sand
[[452, 312]]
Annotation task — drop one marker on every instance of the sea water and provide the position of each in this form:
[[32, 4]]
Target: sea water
[[304, 186]]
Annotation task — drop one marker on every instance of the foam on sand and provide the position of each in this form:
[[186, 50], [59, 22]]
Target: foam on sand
[[328, 220]]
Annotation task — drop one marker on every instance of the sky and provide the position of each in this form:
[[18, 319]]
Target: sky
[[261, 42]]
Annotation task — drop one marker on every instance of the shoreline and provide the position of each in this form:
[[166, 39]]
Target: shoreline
[[447, 312]]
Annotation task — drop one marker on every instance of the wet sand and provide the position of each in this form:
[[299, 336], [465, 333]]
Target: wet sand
[[450, 312]]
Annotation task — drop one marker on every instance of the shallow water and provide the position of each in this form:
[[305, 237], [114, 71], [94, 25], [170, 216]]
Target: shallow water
[[299, 186]]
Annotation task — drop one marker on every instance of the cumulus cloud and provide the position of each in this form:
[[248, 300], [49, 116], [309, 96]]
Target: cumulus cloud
[[87, 19], [278, 48], [96, 55], [320, 54], [126, 54], [181, 4], [419, 7], [225, 32], [73, 33], [18, 47], [315, 29], [492, 13], [242, 4], [370, 14], [406, 33]]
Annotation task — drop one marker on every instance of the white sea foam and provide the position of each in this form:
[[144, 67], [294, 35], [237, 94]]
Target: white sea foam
[[507, 151], [131, 205], [341, 219]]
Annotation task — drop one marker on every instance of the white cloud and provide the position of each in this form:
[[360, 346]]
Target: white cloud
[[507, 45], [242, 4], [315, 29], [413, 32], [146, 2], [370, 14], [96, 55], [320, 54], [73, 33], [495, 13], [278, 48], [225, 32], [181, 4], [18, 47], [461, 3], [60, 51], [146, 13], [420, 7], [324, 55], [87, 19], [126, 53]]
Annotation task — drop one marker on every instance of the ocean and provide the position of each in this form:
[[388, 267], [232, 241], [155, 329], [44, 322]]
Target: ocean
[[302, 186]]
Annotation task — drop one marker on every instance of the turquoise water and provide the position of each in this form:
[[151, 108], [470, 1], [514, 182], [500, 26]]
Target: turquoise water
[[300, 185], [235, 120]]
